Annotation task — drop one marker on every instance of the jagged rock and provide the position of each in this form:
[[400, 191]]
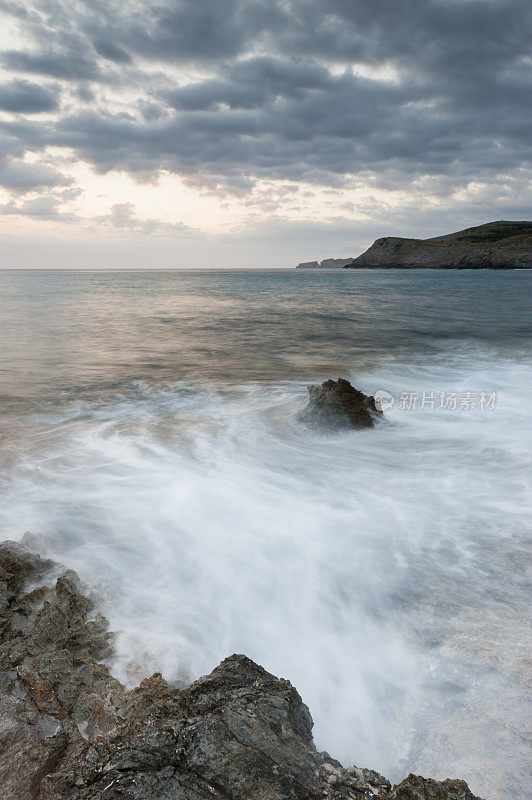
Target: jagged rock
[[496, 245], [417, 788], [337, 404], [53, 692], [70, 731]]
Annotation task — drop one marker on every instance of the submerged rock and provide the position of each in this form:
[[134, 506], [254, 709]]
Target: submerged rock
[[69, 730], [337, 404]]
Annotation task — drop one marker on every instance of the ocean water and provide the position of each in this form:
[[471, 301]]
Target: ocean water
[[149, 439]]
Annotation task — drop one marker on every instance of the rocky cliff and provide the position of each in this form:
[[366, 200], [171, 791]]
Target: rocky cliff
[[496, 245], [69, 730], [327, 263]]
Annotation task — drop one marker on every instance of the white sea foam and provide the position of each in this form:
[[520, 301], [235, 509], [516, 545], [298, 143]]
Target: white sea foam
[[380, 571]]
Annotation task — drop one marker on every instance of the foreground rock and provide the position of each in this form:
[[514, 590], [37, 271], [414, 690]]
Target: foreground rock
[[496, 245], [70, 730], [336, 404], [417, 788]]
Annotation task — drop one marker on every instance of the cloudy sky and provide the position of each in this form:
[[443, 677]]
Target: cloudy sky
[[189, 133]]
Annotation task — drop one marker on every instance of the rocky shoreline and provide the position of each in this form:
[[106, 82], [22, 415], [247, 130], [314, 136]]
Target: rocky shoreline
[[495, 245], [69, 729], [327, 263]]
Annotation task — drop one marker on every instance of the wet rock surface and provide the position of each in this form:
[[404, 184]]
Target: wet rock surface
[[68, 729], [417, 788], [336, 404]]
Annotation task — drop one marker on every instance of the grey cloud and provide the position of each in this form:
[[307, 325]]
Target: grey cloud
[[66, 65], [84, 93], [20, 177], [24, 97], [278, 98], [44, 207], [252, 83], [123, 215], [339, 125], [13, 8], [190, 30], [220, 185], [112, 51], [433, 33]]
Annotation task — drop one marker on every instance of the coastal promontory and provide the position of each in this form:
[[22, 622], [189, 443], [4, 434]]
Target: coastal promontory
[[327, 263], [496, 245]]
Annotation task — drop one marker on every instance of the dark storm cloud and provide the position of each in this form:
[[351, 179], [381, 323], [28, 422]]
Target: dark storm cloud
[[24, 97], [446, 91]]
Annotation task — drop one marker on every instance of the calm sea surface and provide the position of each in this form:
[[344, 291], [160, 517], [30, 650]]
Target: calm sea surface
[[149, 439]]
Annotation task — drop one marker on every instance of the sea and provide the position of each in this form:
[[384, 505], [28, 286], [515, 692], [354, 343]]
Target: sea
[[149, 439]]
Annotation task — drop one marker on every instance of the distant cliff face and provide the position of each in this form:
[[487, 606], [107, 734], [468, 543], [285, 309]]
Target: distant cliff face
[[497, 245], [327, 263]]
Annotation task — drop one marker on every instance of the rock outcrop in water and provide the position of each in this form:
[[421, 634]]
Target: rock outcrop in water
[[69, 729], [496, 245], [337, 404]]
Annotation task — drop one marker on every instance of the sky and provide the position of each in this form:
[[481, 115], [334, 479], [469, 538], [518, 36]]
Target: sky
[[256, 133]]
